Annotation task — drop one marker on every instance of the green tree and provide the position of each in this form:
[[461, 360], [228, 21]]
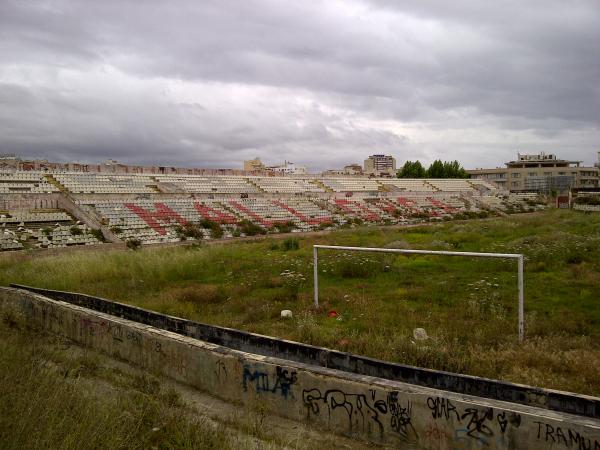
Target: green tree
[[446, 169], [454, 170], [436, 169], [412, 169]]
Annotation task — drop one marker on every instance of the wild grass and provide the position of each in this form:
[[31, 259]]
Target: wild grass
[[468, 306], [53, 401]]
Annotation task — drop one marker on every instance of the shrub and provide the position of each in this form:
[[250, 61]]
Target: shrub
[[285, 227], [192, 231], [206, 223], [588, 200], [189, 230], [133, 244], [115, 229], [236, 233], [290, 244], [250, 228], [357, 267], [76, 231], [97, 234], [420, 215], [216, 232]]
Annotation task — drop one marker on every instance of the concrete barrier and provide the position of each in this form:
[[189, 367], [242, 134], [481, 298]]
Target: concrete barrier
[[365, 407], [347, 362], [580, 207]]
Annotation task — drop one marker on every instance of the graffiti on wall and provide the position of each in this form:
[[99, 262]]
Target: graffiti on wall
[[556, 436], [364, 413], [281, 382], [438, 423], [474, 427]]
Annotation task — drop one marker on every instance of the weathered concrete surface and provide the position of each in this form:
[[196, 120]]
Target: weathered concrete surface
[[66, 202], [369, 408], [309, 354]]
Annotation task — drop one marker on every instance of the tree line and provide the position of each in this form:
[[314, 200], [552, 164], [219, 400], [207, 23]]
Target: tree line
[[437, 169]]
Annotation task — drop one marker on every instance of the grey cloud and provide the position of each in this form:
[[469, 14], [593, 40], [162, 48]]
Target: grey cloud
[[436, 66]]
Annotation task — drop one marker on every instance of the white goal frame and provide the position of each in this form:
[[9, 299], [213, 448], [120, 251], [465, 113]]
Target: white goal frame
[[519, 257]]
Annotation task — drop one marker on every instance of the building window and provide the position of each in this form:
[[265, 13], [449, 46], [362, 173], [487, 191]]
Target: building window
[[547, 174], [515, 184], [516, 175], [533, 174]]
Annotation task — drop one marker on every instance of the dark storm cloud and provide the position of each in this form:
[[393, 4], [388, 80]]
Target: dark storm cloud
[[323, 83]]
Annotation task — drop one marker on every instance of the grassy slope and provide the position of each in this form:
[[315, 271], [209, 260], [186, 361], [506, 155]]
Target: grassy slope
[[52, 399], [467, 306]]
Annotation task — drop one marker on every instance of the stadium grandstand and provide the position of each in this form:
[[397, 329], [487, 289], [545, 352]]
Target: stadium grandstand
[[47, 209]]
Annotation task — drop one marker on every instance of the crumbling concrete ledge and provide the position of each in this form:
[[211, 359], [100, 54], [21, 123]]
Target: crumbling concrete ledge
[[364, 407]]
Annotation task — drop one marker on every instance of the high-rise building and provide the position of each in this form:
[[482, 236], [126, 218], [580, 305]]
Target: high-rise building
[[380, 166]]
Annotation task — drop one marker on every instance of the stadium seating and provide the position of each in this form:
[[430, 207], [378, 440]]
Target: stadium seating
[[63, 236], [25, 182], [285, 185], [32, 228], [156, 221], [157, 208], [483, 185], [451, 185], [96, 183], [358, 209], [8, 242], [351, 184], [305, 211], [145, 220], [220, 184], [304, 214], [410, 185]]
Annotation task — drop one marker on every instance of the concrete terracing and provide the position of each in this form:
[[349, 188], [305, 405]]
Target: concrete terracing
[[292, 380]]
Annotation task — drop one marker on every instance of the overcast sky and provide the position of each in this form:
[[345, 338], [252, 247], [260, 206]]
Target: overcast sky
[[322, 83]]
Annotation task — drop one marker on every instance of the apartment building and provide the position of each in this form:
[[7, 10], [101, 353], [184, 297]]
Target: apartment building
[[380, 166], [540, 173]]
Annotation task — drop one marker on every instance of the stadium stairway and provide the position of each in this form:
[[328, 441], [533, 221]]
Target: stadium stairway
[[66, 202], [322, 185], [435, 188], [384, 188], [169, 188], [249, 180], [482, 205], [50, 178]]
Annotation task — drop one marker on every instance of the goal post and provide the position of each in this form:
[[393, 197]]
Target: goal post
[[517, 256]]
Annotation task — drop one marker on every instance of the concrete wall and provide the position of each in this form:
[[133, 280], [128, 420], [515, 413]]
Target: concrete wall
[[595, 208], [29, 201], [319, 356], [368, 408]]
